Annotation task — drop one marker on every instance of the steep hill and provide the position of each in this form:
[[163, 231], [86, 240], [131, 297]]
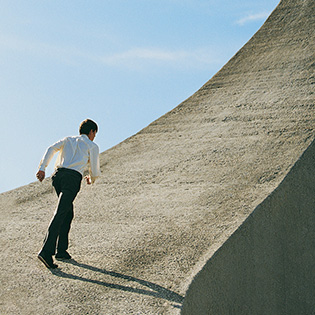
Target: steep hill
[[171, 195]]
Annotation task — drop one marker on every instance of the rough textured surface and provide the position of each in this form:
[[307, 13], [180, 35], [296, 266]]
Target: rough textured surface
[[268, 265], [172, 194]]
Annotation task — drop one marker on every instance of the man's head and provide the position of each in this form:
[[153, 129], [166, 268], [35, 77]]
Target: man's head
[[88, 127]]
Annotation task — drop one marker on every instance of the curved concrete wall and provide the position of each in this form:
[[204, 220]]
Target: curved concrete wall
[[268, 265]]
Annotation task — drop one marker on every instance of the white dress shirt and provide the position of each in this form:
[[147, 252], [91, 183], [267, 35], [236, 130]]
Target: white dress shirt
[[74, 153]]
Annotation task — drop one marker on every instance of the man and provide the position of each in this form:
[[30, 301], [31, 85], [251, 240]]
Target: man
[[75, 153]]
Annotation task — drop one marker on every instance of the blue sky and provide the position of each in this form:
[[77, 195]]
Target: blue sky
[[121, 63]]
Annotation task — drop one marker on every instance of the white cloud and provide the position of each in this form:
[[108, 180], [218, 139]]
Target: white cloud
[[141, 58], [142, 54], [138, 58], [253, 17]]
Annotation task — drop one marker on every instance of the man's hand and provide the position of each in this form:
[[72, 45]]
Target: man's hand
[[88, 180], [40, 175]]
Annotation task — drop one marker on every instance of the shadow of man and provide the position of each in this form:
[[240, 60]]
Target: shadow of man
[[155, 289]]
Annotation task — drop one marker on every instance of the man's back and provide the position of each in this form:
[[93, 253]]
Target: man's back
[[75, 153]]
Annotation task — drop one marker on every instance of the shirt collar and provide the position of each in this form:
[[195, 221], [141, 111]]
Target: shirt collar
[[85, 136]]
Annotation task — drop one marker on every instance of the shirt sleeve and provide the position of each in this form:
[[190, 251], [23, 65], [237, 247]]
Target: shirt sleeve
[[94, 163], [49, 154]]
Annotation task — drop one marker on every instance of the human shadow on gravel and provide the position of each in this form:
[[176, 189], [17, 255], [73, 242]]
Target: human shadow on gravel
[[157, 290]]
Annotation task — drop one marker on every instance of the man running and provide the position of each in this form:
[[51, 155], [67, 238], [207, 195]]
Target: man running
[[75, 154]]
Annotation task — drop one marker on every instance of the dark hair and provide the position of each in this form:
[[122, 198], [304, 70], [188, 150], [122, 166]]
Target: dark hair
[[86, 126]]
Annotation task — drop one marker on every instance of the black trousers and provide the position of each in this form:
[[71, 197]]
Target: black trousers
[[67, 184]]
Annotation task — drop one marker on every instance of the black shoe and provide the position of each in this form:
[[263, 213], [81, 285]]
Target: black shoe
[[47, 260], [63, 255]]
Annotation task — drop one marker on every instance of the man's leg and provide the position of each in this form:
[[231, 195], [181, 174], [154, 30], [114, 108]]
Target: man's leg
[[64, 210], [63, 240]]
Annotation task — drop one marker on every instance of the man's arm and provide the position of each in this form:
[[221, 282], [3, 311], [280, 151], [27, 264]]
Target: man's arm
[[94, 165], [47, 158]]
